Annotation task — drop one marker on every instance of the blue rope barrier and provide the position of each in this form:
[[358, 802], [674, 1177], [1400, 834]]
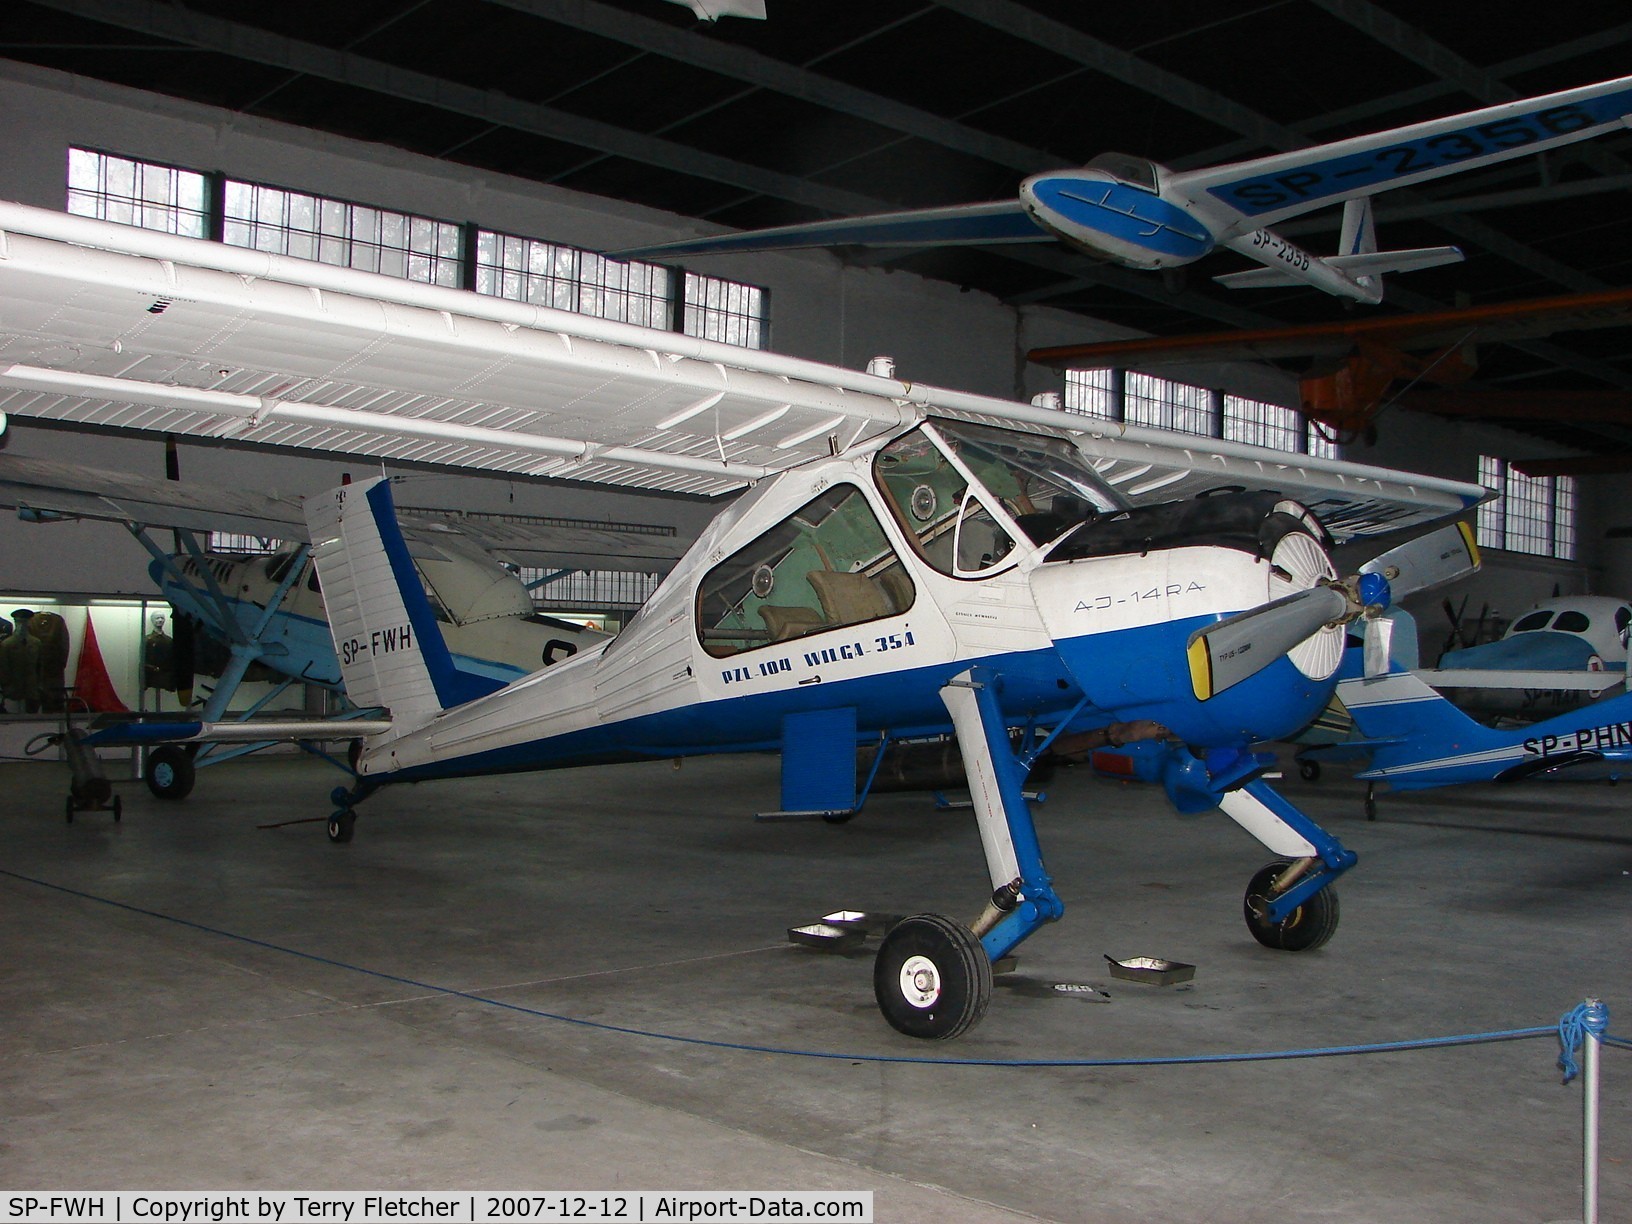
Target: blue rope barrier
[[1591, 1017], [1383, 1047]]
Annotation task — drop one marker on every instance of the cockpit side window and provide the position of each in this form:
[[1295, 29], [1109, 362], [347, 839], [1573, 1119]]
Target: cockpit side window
[[827, 565], [1042, 485], [1572, 621], [1535, 620]]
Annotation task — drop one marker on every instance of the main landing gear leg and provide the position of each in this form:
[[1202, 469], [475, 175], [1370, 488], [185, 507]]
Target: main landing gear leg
[[1289, 904], [933, 975]]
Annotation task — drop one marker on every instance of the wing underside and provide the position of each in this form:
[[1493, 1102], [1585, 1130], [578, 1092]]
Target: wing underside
[[103, 325]]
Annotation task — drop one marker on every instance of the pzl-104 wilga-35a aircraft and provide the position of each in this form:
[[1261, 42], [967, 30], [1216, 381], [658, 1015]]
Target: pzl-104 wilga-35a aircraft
[[902, 560]]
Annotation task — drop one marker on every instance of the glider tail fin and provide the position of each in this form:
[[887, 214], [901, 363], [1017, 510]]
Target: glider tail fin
[[1356, 270], [386, 633]]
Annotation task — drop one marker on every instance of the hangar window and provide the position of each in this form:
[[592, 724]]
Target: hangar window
[[1533, 514], [240, 544], [415, 248], [144, 194], [728, 311], [828, 565], [1161, 403], [336, 232], [566, 278]]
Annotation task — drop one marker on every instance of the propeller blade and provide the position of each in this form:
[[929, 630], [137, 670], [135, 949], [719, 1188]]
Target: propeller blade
[[1240, 646], [1427, 561]]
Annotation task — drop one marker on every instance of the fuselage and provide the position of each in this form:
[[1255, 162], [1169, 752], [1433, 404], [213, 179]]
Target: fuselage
[[867, 581]]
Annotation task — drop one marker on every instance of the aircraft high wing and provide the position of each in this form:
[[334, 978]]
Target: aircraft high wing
[[1136, 213], [1353, 363], [903, 561]]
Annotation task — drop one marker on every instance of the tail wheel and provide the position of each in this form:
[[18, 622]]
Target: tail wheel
[[342, 825], [1305, 928], [932, 978]]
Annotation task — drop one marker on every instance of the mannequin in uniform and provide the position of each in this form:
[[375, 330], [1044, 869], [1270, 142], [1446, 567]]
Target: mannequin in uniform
[[20, 667], [51, 632]]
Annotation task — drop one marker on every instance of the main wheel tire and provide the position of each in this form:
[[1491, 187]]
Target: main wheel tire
[[1305, 928], [170, 772], [1309, 771], [932, 978], [118, 809], [341, 826]]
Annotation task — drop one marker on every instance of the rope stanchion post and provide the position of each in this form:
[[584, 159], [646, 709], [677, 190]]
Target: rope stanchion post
[[1584, 1026]]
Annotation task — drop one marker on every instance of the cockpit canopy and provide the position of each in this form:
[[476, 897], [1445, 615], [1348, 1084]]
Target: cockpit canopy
[[967, 493], [1125, 168]]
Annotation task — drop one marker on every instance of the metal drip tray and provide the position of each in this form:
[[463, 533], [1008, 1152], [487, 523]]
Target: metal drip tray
[[1150, 969]]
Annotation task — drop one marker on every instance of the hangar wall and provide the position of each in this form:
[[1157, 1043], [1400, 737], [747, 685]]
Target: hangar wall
[[820, 309]]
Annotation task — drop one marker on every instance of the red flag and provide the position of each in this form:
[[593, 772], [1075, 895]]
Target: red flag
[[91, 682]]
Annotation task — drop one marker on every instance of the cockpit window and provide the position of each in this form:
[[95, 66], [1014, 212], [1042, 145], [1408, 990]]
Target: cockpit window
[[1134, 171], [827, 566], [1535, 620], [1572, 621], [1026, 486]]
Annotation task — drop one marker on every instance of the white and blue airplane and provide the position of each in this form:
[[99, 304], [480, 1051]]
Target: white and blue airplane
[[1138, 214], [893, 560]]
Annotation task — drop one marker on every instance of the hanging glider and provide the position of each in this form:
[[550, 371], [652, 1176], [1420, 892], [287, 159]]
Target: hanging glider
[[1139, 214]]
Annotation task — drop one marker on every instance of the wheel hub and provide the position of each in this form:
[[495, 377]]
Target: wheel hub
[[920, 981]]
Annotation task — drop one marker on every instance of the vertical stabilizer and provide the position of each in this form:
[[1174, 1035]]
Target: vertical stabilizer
[[1359, 237], [386, 635]]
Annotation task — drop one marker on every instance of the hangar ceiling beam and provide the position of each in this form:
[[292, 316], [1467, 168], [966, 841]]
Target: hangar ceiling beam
[[346, 68], [1368, 111], [750, 67]]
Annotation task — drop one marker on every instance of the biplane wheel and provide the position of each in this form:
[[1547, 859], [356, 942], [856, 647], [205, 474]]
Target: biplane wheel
[[68, 809], [118, 809], [341, 826], [1309, 771], [1371, 801], [1305, 928], [170, 772], [932, 978]]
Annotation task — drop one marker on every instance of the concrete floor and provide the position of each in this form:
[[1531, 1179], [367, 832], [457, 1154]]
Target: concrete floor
[[190, 1001]]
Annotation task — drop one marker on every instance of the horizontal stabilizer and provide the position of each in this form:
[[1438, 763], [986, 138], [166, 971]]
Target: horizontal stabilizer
[[1369, 263], [960, 225]]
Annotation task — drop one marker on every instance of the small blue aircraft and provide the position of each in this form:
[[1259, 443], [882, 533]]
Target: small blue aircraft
[[1130, 211]]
